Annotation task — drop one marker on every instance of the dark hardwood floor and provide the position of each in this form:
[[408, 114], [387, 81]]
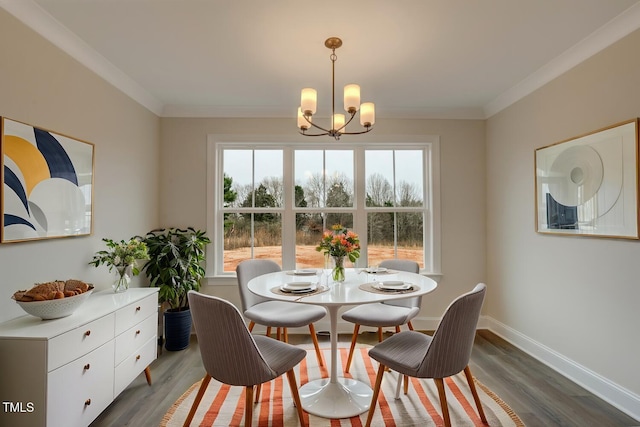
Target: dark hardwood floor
[[535, 392]]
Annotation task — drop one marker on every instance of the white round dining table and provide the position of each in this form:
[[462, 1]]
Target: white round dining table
[[337, 396]]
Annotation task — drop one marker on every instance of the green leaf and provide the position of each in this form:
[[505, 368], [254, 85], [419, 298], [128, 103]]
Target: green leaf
[[175, 264]]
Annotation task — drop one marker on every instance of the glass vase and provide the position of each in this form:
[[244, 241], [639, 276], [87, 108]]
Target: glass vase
[[123, 278], [337, 274]]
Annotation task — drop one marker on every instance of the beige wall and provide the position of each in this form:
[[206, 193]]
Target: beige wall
[[43, 86], [573, 301], [462, 148]]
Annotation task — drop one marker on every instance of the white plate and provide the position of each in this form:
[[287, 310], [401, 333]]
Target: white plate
[[394, 285], [374, 270], [298, 287], [305, 272]]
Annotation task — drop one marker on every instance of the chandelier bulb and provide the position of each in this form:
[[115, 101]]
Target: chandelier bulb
[[304, 120], [367, 114], [308, 101], [351, 97]]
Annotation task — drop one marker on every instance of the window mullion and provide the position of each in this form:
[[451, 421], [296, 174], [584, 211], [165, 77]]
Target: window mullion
[[359, 202], [253, 202], [288, 215]]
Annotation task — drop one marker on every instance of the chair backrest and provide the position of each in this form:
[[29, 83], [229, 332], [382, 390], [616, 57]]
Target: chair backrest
[[450, 349], [247, 270], [403, 265], [229, 352]]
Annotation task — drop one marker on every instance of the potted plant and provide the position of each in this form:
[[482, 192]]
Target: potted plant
[[175, 266]]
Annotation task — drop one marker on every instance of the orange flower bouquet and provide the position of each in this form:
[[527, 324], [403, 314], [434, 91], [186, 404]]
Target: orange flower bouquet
[[339, 242]]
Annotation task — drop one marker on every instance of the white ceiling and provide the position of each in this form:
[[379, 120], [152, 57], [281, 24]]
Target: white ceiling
[[413, 58]]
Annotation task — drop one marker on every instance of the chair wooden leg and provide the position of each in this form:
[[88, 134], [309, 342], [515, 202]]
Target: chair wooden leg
[[397, 329], [314, 338], [443, 401], [147, 374], [285, 335], [379, 334], [251, 325], [279, 334], [406, 384], [410, 325], [268, 331], [376, 391], [258, 389], [196, 402], [248, 405], [354, 338], [291, 376], [474, 392]]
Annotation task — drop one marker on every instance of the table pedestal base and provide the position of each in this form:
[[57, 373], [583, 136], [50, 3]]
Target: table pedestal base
[[342, 399]]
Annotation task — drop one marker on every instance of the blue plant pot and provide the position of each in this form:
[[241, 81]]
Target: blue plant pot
[[177, 327]]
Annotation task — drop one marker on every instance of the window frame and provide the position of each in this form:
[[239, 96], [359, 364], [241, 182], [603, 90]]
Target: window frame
[[431, 191]]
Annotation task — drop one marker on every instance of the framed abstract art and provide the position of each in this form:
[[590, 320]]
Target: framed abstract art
[[588, 185], [47, 184]]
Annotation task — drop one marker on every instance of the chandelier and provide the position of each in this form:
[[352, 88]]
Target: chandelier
[[352, 104]]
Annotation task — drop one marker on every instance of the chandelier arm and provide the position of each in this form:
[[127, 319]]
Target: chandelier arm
[[368, 129], [316, 126], [333, 134], [302, 132]]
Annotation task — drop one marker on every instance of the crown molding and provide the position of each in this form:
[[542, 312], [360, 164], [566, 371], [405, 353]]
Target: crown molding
[[620, 26], [36, 18], [203, 111]]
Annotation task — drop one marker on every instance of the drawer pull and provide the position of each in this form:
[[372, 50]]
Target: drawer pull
[[138, 308], [87, 402], [87, 366], [87, 333], [138, 332], [138, 357]]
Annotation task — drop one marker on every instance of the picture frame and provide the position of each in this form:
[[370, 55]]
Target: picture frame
[[588, 185], [47, 183]]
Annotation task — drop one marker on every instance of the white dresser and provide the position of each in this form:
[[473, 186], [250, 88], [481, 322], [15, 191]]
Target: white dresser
[[65, 372]]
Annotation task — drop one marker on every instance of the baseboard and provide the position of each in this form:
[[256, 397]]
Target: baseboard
[[610, 392]]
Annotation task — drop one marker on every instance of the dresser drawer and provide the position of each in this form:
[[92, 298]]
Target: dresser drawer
[[78, 391], [81, 340], [133, 365], [134, 313], [135, 337]]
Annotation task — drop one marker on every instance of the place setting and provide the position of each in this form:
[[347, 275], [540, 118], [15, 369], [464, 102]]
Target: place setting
[[378, 270], [303, 272], [388, 286], [299, 288]]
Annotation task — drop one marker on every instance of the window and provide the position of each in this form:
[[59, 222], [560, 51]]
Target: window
[[274, 200], [394, 188]]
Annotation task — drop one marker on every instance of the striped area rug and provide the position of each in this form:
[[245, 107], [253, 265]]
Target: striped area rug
[[224, 406]]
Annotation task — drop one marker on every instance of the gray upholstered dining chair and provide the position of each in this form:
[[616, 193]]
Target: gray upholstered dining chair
[[384, 314], [231, 355], [442, 355], [279, 314]]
